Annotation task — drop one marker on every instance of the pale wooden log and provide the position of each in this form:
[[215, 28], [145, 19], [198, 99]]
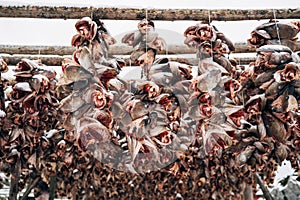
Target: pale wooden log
[[55, 60], [63, 12], [42, 50], [50, 60], [117, 49]]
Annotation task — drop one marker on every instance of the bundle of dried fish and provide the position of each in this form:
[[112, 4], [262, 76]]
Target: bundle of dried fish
[[203, 32], [84, 85], [31, 110], [211, 46], [248, 124], [151, 126], [275, 32], [95, 36], [270, 107], [242, 121], [146, 43]]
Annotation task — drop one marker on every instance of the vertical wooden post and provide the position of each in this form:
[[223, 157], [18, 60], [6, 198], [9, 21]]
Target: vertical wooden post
[[248, 193], [264, 189], [14, 181], [3, 68]]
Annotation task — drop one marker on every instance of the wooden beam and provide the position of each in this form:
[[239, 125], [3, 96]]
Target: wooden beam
[[118, 49], [34, 49], [50, 60], [63, 12], [55, 60]]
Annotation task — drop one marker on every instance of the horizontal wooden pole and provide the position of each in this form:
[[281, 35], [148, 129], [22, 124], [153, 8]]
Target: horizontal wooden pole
[[50, 60], [63, 12], [56, 60], [118, 49]]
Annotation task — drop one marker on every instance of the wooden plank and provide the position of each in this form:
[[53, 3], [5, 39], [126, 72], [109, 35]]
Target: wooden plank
[[63, 12], [35, 49], [117, 49], [55, 60]]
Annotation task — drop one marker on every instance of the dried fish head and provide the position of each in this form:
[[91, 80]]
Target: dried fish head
[[205, 98], [3, 66], [77, 40], [237, 118], [206, 32], [163, 138], [132, 38], [86, 28], [206, 110], [284, 103], [289, 73], [255, 105], [40, 83], [26, 65], [220, 48], [258, 38], [108, 39], [145, 26], [158, 43], [30, 104], [275, 127], [149, 88], [191, 30], [91, 131], [99, 99], [273, 55], [105, 117], [192, 41], [214, 137], [138, 108]]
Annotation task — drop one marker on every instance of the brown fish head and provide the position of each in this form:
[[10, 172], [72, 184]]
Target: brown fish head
[[206, 32], [86, 28], [145, 26], [288, 74], [3, 66]]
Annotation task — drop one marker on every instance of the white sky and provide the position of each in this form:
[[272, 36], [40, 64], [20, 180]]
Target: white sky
[[59, 32]]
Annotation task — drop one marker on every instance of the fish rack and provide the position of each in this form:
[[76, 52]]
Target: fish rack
[[53, 55]]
